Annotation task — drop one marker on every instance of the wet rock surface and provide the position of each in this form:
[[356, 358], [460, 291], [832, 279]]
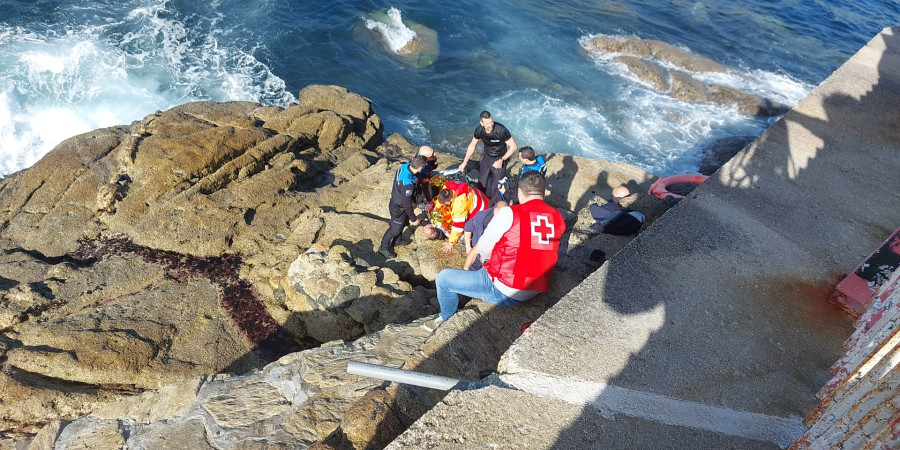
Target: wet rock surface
[[672, 70]]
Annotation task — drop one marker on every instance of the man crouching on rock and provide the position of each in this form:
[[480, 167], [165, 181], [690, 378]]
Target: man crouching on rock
[[401, 208], [520, 248]]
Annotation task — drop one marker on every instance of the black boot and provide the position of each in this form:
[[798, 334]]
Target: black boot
[[388, 253]]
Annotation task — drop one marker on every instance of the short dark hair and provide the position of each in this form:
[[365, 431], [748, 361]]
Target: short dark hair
[[418, 162], [527, 152], [532, 183], [445, 196], [485, 115]]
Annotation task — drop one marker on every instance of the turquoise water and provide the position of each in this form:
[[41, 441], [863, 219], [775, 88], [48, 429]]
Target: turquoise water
[[67, 67]]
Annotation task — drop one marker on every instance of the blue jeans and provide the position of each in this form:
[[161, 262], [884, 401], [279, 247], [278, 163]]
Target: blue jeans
[[450, 283]]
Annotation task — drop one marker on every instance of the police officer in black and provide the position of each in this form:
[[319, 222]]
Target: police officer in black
[[499, 146], [401, 208]]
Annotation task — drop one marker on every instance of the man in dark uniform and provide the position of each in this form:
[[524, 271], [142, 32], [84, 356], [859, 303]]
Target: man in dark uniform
[[401, 208], [499, 146]]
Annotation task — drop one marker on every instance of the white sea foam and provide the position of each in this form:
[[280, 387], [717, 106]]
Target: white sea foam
[[391, 27], [58, 84], [643, 128], [667, 132], [416, 129], [773, 86], [777, 87]]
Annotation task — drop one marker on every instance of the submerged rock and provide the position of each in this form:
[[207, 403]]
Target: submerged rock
[[410, 42], [652, 62], [652, 49]]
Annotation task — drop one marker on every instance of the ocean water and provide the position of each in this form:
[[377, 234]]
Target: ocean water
[[67, 67]]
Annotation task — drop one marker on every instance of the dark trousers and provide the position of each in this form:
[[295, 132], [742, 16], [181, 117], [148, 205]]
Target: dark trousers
[[399, 221], [512, 191], [425, 192], [488, 176]]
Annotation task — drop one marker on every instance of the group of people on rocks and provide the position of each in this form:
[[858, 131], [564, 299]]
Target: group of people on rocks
[[511, 235]]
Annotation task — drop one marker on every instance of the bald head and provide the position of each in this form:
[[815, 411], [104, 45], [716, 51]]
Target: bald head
[[426, 151], [432, 232], [620, 192]]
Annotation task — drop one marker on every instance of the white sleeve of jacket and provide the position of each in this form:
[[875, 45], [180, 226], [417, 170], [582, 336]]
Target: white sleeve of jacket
[[495, 230]]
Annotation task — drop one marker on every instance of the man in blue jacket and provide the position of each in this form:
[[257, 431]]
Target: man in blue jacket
[[531, 162], [401, 206]]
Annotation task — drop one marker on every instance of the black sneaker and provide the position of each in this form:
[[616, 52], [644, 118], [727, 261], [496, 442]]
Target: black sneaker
[[387, 253]]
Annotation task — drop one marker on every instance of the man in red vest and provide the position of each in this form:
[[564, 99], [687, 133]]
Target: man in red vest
[[519, 247]]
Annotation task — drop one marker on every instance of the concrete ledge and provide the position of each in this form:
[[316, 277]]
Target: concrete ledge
[[521, 420]]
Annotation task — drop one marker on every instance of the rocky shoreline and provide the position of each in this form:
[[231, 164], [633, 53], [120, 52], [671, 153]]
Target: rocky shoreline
[[203, 275]]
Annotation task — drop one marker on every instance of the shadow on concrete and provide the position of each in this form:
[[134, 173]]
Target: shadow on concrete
[[733, 310]]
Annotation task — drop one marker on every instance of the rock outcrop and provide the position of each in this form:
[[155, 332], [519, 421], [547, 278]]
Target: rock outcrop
[[215, 238], [290, 403], [652, 62], [137, 256]]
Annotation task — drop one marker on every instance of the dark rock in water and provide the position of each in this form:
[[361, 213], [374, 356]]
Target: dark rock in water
[[648, 48], [721, 151], [642, 57], [424, 49]]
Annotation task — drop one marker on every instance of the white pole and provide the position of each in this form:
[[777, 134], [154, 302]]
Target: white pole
[[409, 377]]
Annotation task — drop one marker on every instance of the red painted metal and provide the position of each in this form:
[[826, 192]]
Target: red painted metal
[[860, 406], [854, 292]]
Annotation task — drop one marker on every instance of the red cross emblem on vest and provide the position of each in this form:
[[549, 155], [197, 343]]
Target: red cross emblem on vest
[[542, 229]]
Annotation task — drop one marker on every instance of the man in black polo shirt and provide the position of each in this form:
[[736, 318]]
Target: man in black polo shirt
[[499, 146]]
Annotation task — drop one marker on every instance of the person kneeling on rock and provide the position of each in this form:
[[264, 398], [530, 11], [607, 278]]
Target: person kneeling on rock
[[520, 248], [464, 202]]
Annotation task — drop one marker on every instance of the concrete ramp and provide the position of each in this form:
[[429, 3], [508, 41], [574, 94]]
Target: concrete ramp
[[711, 329]]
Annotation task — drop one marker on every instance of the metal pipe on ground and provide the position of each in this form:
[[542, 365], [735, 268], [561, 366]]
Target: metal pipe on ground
[[409, 377]]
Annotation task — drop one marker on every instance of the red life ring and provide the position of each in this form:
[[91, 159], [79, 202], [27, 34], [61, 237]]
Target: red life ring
[[659, 188]]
